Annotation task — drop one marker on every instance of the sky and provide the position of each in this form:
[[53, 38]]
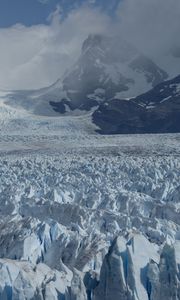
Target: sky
[[32, 12], [41, 39]]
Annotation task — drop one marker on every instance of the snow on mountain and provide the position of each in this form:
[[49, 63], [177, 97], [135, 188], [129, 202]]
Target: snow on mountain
[[112, 65], [107, 66], [157, 111], [165, 91]]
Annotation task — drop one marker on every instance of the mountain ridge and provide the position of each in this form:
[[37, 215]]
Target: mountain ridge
[[106, 67], [157, 111]]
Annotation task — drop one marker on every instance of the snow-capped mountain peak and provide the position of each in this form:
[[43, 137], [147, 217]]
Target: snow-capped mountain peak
[[107, 66]]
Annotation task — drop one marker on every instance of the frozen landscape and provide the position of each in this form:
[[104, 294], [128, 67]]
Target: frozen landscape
[[89, 150], [86, 216]]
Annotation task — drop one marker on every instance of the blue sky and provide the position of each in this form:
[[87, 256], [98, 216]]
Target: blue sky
[[40, 39], [33, 12]]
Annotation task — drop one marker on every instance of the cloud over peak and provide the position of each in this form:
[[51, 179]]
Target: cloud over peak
[[35, 56]]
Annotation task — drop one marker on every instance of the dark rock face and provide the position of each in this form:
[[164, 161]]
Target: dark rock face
[[164, 92], [157, 111], [119, 116]]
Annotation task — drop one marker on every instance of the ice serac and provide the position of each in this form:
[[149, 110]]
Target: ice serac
[[124, 270], [164, 278], [133, 270], [77, 289], [60, 213], [112, 283], [23, 280]]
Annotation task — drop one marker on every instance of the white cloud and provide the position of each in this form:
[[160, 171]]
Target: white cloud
[[151, 22], [152, 25], [33, 57]]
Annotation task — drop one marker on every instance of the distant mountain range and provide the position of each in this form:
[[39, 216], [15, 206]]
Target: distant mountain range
[[125, 90], [107, 68]]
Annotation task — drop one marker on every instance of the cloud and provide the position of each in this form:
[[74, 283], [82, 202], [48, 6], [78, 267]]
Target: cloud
[[152, 25], [33, 57], [36, 56]]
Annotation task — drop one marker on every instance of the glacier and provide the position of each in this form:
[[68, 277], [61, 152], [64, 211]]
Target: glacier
[[83, 226], [85, 216]]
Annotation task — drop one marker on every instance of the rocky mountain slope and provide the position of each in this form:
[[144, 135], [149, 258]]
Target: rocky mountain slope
[[108, 67], [157, 111], [107, 81]]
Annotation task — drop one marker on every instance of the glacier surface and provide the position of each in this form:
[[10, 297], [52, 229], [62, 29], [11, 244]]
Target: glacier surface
[[84, 216]]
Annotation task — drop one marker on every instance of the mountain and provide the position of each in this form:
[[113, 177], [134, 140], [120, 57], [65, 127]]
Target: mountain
[[124, 90], [108, 67], [157, 111]]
